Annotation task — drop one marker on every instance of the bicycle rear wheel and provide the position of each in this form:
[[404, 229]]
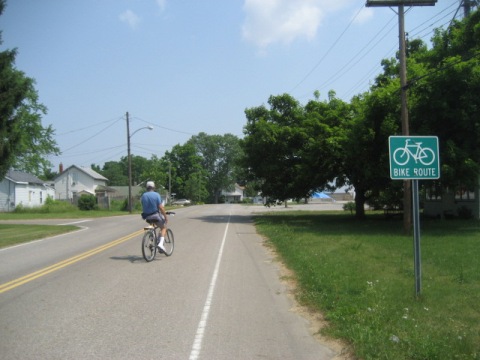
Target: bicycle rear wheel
[[149, 248], [169, 242]]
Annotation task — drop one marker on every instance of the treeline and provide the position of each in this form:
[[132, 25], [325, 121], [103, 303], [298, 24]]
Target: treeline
[[198, 170]]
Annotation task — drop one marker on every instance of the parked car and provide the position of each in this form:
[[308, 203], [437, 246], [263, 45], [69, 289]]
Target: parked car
[[181, 202]]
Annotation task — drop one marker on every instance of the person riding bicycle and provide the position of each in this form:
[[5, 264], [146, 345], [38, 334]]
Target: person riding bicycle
[[153, 210]]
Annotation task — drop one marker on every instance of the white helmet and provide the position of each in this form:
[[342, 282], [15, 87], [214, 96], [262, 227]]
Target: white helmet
[[150, 184]]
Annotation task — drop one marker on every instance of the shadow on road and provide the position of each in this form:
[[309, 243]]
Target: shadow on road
[[219, 219], [131, 258]]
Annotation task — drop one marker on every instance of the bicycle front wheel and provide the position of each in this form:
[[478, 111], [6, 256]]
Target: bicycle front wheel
[[149, 248], [401, 156], [169, 242]]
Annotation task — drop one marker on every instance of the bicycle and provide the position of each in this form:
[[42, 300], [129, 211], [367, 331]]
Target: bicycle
[[150, 240], [425, 155]]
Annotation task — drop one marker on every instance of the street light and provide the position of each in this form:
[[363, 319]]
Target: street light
[[130, 161]]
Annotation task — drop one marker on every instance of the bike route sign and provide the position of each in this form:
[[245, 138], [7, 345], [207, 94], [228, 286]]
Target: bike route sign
[[414, 157]]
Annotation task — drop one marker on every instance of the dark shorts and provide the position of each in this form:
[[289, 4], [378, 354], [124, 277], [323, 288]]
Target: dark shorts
[[157, 218]]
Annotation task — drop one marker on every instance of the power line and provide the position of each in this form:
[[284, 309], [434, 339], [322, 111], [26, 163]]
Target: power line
[[163, 127], [329, 50], [91, 137], [91, 126], [429, 21], [366, 51]]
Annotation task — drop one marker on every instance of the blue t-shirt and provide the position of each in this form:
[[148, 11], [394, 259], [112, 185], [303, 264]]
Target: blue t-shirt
[[150, 202]]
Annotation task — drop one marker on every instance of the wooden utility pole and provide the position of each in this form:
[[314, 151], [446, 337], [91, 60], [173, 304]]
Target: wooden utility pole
[[129, 167], [407, 184]]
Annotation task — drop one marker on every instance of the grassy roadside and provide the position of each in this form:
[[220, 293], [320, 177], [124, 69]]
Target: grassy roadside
[[360, 275], [12, 234]]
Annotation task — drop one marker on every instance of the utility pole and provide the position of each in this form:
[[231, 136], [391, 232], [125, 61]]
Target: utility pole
[[129, 167], [407, 184], [169, 182], [467, 6], [130, 160]]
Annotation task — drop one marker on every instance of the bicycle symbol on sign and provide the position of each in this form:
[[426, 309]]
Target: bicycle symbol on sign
[[425, 155]]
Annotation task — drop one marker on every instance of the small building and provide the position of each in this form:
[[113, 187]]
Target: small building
[[234, 196], [19, 188], [444, 203], [76, 180]]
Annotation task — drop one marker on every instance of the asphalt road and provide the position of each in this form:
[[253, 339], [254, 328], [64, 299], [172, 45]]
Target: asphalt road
[[90, 295]]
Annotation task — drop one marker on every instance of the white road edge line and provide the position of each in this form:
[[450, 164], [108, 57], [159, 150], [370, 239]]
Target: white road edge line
[[75, 222], [202, 325]]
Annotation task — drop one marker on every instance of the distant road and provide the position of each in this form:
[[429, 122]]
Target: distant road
[[90, 295]]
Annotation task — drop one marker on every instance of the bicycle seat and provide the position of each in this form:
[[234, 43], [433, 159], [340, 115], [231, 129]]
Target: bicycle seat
[[151, 221]]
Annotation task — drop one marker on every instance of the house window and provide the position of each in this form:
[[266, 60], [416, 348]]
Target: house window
[[74, 178], [433, 193], [464, 194], [41, 197]]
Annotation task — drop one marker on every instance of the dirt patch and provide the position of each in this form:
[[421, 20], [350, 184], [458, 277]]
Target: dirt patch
[[315, 319]]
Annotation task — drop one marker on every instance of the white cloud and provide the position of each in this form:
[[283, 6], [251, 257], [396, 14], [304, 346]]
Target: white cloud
[[283, 21], [365, 15], [130, 18], [162, 4]]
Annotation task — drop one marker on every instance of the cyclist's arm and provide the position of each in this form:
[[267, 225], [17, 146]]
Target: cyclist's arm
[[162, 211]]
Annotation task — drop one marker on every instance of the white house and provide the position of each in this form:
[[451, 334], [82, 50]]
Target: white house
[[234, 196], [76, 180], [21, 188], [461, 201]]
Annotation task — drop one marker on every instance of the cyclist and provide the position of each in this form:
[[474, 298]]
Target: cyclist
[[153, 210]]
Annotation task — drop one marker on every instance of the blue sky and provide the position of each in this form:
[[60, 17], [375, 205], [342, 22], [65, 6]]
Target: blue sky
[[190, 66]]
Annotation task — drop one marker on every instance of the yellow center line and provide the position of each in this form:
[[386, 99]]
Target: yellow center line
[[27, 278]]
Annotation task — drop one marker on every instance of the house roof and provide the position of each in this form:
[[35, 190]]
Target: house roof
[[23, 177], [90, 172], [102, 188]]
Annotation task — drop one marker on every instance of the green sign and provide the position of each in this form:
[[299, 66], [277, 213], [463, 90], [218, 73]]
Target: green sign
[[414, 157]]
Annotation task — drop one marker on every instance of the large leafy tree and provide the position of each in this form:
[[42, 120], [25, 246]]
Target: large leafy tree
[[272, 148], [183, 162], [24, 142], [292, 150], [219, 156], [364, 148]]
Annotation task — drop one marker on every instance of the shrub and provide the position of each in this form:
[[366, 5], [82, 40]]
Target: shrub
[[349, 206], [19, 209], [87, 202]]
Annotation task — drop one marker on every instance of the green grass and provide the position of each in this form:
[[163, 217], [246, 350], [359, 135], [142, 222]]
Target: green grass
[[360, 275], [15, 234], [18, 233]]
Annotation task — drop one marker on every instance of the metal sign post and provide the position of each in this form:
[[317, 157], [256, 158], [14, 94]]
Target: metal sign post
[[414, 158], [417, 259]]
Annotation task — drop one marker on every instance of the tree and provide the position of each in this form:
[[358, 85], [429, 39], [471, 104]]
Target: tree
[[291, 150], [272, 143], [447, 102], [24, 142], [219, 155], [364, 146], [183, 162], [115, 172]]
